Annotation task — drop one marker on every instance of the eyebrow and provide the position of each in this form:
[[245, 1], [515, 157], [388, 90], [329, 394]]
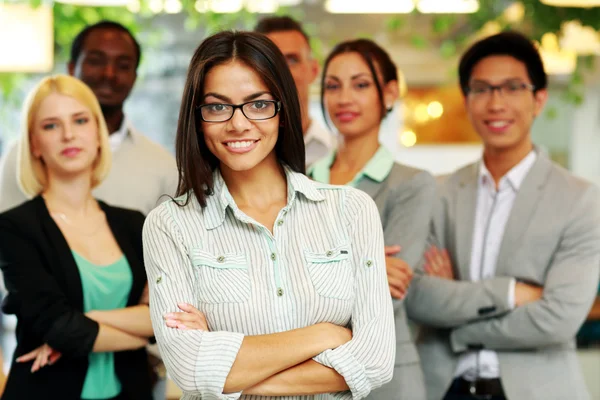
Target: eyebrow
[[362, 74], [227, 99], [77, 114], [504, 81], [120, 57]]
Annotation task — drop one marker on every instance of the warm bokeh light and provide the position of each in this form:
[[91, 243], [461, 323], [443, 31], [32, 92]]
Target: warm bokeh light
[[435, 109], [421, 114], [408, 138]]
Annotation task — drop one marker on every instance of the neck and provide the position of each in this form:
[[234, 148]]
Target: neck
[[113, 115], [355, 152], [500, 161], [258, 187], [70, 196]]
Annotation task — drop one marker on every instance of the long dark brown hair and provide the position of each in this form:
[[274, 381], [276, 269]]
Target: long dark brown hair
[[373, 55], [195, 162]]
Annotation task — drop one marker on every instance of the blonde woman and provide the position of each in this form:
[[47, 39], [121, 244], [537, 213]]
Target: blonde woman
[[72, 265]]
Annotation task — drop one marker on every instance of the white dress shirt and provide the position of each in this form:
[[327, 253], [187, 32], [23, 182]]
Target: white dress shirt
[[116, 138], [323, 262], [491, 214]]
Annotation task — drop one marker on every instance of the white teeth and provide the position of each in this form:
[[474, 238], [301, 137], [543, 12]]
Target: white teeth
[[240, 145], [498, 124]]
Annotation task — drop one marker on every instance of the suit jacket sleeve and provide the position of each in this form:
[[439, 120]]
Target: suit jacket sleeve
[[569, 290], [443, 303], [37, 300], [407, 220]]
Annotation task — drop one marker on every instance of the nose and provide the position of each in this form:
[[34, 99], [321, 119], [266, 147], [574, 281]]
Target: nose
[[238, 122], [345, 96], [67, 133], [109, 70], [496, 101]]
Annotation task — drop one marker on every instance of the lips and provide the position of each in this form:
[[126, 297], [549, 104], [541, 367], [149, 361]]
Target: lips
[[241, 146], [346, 116], [71, 152], [499, 125]]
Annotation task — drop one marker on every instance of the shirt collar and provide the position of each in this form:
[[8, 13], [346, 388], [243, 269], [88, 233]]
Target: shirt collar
[[116, 138], [514, 177], [221, 199], [377, 168]]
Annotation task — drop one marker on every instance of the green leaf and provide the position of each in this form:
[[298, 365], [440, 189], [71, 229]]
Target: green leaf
[[448, 49], [419, 41], [551, 113], [395, 23], [442, 24]]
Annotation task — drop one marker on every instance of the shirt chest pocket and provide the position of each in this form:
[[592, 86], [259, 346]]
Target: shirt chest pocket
[[331, 272], [221, 278]]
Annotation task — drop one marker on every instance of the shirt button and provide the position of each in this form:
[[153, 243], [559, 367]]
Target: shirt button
[[369, 263], [220, 259], [280, 292], [280, 222], [329, 253], [273, 256]]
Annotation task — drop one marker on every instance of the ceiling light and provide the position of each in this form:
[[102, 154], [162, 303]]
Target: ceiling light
[[447, 6], [27, 44], [572, 3], [369, 6]]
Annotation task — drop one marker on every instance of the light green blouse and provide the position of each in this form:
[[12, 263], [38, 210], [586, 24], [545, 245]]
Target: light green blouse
[[105, 287]]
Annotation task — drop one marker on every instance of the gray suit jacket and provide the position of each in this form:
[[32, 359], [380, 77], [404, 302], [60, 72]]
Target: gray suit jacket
[[405, 200], [552, 238]]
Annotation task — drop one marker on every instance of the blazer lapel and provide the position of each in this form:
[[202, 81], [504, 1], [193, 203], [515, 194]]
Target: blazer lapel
[[523, 209], [66, 267], [466, 202], [371, 187]]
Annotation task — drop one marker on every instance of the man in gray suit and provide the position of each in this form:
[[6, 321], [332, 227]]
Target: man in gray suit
[[516, 260]]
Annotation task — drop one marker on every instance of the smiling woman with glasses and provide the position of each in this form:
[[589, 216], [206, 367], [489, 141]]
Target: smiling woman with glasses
[[256, 272], [256, 110]]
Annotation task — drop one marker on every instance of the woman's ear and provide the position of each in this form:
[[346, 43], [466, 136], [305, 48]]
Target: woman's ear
[[391, 93]]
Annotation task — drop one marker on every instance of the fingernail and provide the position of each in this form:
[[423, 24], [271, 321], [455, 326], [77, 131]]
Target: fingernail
[[169, 316], [182, 327], [183, 305]]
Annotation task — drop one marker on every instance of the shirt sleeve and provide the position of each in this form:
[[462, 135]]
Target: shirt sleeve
[[197, 361], [367, 361]]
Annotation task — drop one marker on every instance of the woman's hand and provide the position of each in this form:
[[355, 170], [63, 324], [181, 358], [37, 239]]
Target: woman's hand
[[43, 355], [399, 273], [190, 318], [438, 263]]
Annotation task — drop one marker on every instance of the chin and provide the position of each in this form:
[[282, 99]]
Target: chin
[[241, 166]]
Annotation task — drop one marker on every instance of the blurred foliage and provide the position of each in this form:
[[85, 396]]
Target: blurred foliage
[[451, 33], [70, 19]]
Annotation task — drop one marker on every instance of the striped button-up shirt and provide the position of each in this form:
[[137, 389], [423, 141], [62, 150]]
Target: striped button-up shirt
[[323, 262]]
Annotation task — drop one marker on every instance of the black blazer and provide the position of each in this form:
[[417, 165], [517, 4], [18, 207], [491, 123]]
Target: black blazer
[[45, 293]]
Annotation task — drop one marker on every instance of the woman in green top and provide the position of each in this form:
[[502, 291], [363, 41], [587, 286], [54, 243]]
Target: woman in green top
[[72, 265], [358, 90]]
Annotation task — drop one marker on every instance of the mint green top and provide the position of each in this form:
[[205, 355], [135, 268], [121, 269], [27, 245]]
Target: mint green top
[[378, 167], [105, 287]]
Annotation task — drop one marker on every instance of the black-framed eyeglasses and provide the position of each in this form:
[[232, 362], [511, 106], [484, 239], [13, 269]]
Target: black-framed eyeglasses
[[256, 110], [508, 89]]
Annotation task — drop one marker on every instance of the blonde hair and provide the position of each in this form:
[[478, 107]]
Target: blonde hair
[[31, 171]]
